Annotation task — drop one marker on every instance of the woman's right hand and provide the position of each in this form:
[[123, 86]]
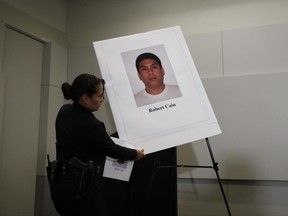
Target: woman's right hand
[[140, 154]]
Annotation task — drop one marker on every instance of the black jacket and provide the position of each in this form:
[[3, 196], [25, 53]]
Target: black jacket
[[79, 133]]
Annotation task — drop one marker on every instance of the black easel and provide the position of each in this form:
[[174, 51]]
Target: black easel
[[215, 167]]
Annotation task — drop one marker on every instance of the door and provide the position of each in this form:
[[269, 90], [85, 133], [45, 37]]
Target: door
[[20, 110]]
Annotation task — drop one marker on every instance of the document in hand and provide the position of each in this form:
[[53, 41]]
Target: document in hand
[[118, 170]]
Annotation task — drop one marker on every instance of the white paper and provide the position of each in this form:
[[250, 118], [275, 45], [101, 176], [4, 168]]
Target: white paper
[[164, 124], [114, 169]]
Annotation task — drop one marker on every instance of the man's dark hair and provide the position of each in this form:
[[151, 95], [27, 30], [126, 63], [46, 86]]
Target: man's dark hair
[[144, 56]]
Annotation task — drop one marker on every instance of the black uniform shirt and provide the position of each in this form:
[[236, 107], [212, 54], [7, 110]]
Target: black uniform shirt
[[79, 133]]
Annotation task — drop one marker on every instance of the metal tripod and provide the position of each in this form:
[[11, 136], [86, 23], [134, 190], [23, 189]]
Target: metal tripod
[[214, 166]]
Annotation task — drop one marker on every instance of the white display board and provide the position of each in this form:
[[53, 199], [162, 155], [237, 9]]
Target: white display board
[[167, 123]]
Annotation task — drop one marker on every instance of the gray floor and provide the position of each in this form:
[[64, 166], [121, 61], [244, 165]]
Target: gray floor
[[202, 197]]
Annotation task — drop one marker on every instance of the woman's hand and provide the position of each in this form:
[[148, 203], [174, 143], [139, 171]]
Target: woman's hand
[[140, 154]]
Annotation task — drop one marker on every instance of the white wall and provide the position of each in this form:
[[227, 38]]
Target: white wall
[[53, 75], [52, 12], [96, 20], [45, 19]]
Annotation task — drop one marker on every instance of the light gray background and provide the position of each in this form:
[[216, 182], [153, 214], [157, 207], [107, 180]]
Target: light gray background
[[245, 77]]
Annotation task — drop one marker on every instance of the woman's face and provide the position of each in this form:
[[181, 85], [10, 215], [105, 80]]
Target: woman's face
[[94, 102]]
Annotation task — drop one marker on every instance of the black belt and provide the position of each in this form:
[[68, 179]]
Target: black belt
[[75, 164]]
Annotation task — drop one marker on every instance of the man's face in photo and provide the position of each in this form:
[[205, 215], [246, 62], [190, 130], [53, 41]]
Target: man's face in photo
[[151, 73]]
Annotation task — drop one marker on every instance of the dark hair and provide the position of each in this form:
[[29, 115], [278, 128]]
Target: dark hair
[[144, 56], [82, 84]]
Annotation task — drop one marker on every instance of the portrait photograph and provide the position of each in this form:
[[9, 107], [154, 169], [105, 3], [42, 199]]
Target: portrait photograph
[[155, 73]]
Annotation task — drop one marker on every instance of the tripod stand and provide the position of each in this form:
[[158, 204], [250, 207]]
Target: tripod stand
[[214, 166]]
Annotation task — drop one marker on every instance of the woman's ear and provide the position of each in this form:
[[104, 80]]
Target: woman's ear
[[84, 99]]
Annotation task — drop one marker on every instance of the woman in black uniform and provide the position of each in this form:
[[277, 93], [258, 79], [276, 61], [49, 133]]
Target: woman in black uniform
[[80, 135]]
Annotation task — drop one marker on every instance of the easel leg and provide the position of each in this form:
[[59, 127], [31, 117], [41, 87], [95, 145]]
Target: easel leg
[[215, 167]]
